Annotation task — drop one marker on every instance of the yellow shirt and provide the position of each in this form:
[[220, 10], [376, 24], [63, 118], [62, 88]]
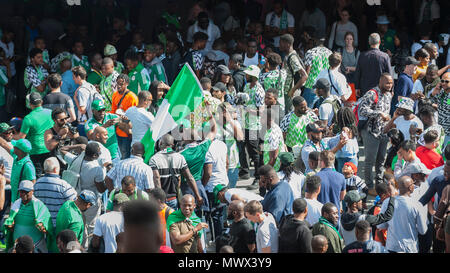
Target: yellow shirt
[[420, 69]]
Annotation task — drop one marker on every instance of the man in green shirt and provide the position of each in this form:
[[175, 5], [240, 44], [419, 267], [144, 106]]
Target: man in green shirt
[[108, 121], [78, 59], [33, 128], [129, 188], [195, 155], [70, 214], [139, 77], [108, 85], [153, 64], [95, 75], [23, 168]]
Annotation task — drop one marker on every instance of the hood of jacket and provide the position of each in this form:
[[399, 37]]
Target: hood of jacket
[[348, 220]]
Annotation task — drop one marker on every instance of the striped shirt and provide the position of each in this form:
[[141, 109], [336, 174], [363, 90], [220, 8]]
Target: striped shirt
[[135, 167], [355, 183], [53, 192]]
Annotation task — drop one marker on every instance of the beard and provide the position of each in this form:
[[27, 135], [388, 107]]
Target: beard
[[315, 139]]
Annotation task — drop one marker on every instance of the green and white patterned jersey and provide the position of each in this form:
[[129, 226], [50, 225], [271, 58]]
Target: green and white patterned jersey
[[317, 59], [119, 67], [108, 86], [54, 63], [84, 62], [275, 79], [227, 135], [295, 127], [256, 94], [273, 140]]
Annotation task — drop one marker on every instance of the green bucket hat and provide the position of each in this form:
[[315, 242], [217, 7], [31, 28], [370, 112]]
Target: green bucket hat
[[286, 158]]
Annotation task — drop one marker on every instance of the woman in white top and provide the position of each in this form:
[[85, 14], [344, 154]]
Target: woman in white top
[[340, 28]]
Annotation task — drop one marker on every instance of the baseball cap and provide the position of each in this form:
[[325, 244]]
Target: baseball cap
[[120, 198], [109, 50], [98, 105], [218, 188], [313, 128], [26, 185], [411, 60], [34, 98], [22, 144], [418, 167], [89, 197], [223, 69], [353, 166], [220, 86], [237, 58], [353, 197], [322, 83], [5, 127], [286, 158], [16, 123]]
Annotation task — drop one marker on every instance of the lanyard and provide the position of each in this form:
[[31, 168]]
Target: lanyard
[[321, 145]]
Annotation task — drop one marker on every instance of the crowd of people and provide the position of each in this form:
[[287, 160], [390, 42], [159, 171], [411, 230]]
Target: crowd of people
[[292, 112]]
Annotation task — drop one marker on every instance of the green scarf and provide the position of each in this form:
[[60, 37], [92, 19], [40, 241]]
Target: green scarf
[[41, 215], [178, 216], [327, 223]]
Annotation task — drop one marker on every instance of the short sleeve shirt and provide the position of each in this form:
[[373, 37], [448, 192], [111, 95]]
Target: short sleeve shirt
[[195, 155], [295, 127], [274, 79], [28, 173], [108, 86], [111, 143], [292, 65], [130, 100], [317, 59], [139, 79], [273, 140], [34, 126], [251, 121], [70, 217]]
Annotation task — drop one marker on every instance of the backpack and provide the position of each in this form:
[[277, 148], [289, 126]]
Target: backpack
[[336, 104], [223, 240], [295, 75], [356, 109]]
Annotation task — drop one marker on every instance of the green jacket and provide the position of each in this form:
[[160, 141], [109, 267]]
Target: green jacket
[[41, 215], [335, 241]]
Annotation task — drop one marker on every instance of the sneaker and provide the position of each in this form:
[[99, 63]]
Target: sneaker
[[244, 176]]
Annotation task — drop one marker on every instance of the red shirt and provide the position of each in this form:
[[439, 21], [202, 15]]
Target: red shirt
[[429, 157]]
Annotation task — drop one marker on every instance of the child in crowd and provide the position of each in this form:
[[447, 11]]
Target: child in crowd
[[354, 182]]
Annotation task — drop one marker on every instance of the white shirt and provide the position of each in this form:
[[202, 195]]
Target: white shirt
[[296, 182], [217, 156], [407, 222], [8, 160], [314, 211], [108, 226], [212, 31], [246, 195], [251, 61], [141, 120], [326, 110], [267, 234], [274, 21], [339, 86], [105, 154], [9, 53], [404, 125]]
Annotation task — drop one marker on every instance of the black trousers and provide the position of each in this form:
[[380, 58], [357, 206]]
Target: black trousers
[[38, 162], [251, 142]]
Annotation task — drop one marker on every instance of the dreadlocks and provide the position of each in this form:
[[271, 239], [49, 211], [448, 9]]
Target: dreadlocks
[[346, 118], [288, 170]]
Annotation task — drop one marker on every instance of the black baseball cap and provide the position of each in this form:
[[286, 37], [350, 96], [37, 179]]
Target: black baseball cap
[[313, 128], [411, 60], [322, 83]]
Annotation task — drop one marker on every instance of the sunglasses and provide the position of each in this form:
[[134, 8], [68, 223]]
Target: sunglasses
[[445, 81], [66, 118]]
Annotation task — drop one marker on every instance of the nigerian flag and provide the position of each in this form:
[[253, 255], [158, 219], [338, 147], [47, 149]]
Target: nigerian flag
[[183, 97]]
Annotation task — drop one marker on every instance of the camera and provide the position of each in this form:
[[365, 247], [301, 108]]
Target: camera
[[72, 129]]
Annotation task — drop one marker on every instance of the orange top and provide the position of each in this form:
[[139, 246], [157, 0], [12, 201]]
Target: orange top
[[130, 100], [383, 231], [162, 217]]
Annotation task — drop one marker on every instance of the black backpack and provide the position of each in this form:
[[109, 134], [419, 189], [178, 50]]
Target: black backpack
[[223, 240]]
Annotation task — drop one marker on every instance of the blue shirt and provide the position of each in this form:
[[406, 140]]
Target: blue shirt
[[332, 183], [403, 88], [278, 201], [68, 87], [436, 186]]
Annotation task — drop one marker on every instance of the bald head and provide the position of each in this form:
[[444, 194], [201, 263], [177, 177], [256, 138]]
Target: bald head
[[404, 185], [138, 149], [187, 198], [100, 130], [237, 206], [166, 141], [100, 134], [319, 244]]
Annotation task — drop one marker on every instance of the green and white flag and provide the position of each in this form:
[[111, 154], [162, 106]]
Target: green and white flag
[[184, 96]]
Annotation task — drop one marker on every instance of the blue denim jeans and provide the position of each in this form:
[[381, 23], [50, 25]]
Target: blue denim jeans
[[124, 146], [233, 176], [310, 96]]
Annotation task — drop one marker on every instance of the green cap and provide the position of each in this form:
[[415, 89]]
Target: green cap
[[216, 191], [4, 127], [22, 144], [98, 105], [286, 158], [120, 198]]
